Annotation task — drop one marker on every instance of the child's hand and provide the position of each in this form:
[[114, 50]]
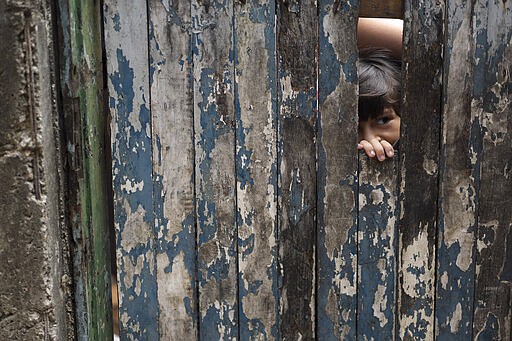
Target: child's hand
[[377, 147]]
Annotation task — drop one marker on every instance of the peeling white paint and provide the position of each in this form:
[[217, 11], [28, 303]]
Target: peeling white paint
[[459, 217], [287, 90], [132, 186], [416, 271], [362, 200], [172, 292], [380, 305], [131, 272], [135, 231], [377, 196], [444, 280], [495, 125], [483, 244], [417, 282], [343, 283], [429, 165], [456, 319]]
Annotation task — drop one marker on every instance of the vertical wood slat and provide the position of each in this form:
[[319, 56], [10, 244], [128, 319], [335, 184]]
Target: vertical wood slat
[[128, 82], [419, 163], [337, 172], [492, 93], [70, 113], [382, 8], [173, 167], [81, 85], [256, 169], [86, 51], [214, 123], [296, 37], [459, 180], [377, 248]]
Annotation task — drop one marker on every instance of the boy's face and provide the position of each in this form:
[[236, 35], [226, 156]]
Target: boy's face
[[377, 135]]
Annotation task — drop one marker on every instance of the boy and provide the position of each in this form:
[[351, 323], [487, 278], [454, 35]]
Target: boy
[[379, 102], [379, 85]]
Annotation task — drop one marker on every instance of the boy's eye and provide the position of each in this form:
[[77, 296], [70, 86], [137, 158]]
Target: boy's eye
[[382, 120]]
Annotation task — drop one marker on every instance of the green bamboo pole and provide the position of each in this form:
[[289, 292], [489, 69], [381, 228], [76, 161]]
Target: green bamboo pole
[[86, 60]]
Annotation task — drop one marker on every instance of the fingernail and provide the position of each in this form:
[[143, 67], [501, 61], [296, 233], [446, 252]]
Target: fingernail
[[390, 153], [381, 157], [372, 153]]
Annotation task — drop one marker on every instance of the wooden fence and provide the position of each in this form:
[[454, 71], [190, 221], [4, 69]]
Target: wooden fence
[[242, 207]]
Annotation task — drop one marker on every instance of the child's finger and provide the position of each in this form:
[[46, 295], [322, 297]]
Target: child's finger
[[378, 148], [368, 148], [390, 152]]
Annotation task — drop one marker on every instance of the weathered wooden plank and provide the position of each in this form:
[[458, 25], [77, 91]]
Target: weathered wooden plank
[[297, 35], [214, 123], [381, 9], [459, 180], [337, 171], [377, 229], [492, 93], [71, 126], [87, 87], [256, 169], [128, 83], [172, 118], [419, 164]]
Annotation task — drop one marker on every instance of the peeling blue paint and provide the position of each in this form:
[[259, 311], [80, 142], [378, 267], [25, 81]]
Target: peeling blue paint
[[156, 56], [350, 69], [254, 329], [250, 329], [172, 16], [243, 155], [134, 161], [215, 260], [490, 331], [259, 13], [460, 286], [117, 22], [206, 212], [328, 65], [328, 272], [246, 245], [302, 105], [375, 247], [159, 147]]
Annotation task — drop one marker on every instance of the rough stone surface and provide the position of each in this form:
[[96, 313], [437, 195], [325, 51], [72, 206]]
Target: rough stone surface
[[34, 278]]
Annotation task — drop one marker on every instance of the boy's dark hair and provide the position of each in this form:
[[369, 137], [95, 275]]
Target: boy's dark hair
[[379, 82]]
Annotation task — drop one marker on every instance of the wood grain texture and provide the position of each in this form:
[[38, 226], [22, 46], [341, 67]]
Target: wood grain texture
[[70, 113], [88, 167], [419, 164], [492, 91], [337, 171], [377, 254], [126, 44], [86, 55], [214, 124], [296, 37], [461, 154], [172, 116], [381, 8], [256, 169]]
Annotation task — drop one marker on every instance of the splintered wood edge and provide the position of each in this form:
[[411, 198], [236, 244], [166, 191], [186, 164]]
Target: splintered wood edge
[[381, 9]]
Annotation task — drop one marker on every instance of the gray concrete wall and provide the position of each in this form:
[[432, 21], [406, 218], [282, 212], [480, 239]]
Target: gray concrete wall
[[35, 295]]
